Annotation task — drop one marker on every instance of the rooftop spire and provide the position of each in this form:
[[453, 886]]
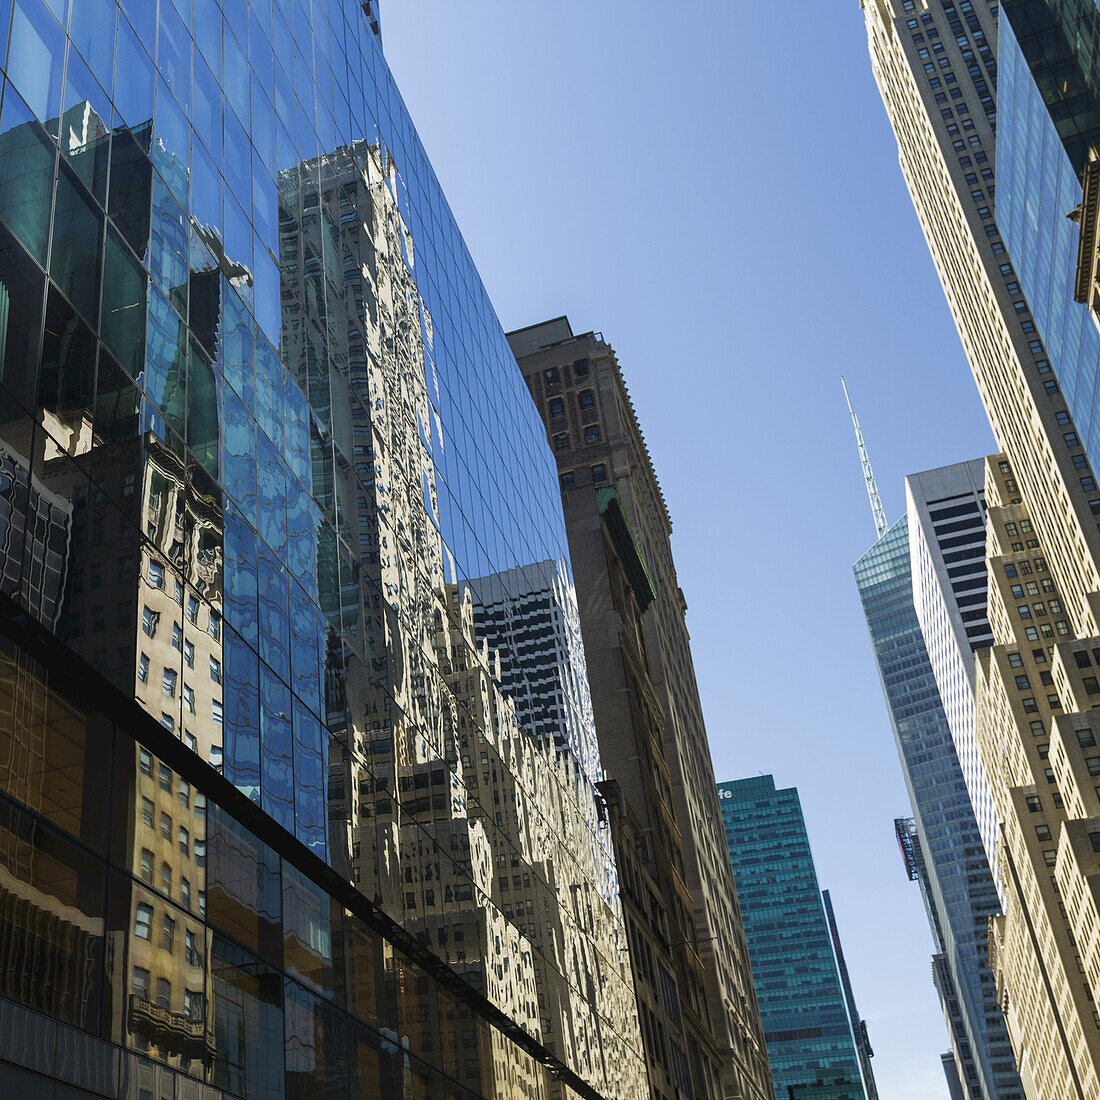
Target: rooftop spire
[[868, 474]]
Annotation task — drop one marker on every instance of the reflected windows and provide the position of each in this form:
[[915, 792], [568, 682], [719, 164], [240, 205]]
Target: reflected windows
[[143, 921]]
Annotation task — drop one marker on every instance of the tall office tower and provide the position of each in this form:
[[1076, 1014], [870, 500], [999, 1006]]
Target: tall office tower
[[655, 749], [958, 1062], [960, 891], [859, 1026], [273, 820], [1034, 352], [811, 1046], [947, 552]]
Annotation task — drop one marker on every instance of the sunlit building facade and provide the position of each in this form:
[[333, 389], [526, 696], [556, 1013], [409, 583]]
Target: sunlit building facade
[[653, 739], [280, 823]]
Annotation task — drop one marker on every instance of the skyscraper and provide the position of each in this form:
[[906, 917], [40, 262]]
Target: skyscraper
[[655, 749], [1034, 351], [947, 552], [959, 886], [811, 1046], [273, 820]]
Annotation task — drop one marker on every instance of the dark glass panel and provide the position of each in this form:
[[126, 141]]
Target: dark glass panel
[[202, 408], [248, 1024], [77, 243], [67, 378], [131, 189], [52, 760], [52, 907], [242, 716], [316, 1047], [27, 160], [22, 289], [84, 132], [311, 921], [122, 323], [117, 401], [242, 885]]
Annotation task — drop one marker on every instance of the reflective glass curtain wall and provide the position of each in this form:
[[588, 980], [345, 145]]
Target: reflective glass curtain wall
[[260, 428]]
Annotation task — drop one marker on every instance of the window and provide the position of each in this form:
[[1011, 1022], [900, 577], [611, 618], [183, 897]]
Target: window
[[1024, 611], [1086, 739], [177, 636], [1062, 418], [215, 627], [147, 811], [189, 654], [179, 593], [185, 793], [599, 472], [168, 682], [1050, 856], [164, 994], [1034, 805], [1037, 728], [216, 709], [189, 698], [580, 368], [167, 933], [156, 574], [568, 479], [149, 620], [185, 891], [192, 609], [1023, 683], [1010, 569], [145, 762], [165, 778], [1015, 660], [185, 841], [192, 1004], [143, 668], [592, 433], [143, 922], [561, 441], [146, 866], [141, 983], [191, 949], [1042, 832], [557, 408], [215, 670], [586, 399], [552, 376], [165, 826], [166, 879], [1093, 765]]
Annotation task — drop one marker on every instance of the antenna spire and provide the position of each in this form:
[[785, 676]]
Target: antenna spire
[[868, 474]]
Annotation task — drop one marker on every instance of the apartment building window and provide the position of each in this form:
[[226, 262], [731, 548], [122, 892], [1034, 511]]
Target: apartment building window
[[156, 574], [586, 399], [557, 408], [149, 620], [561, 441], [599, 473], [143, 668], [189, 654], [168, 682], [143, 921], [592, 433], [568, 479]]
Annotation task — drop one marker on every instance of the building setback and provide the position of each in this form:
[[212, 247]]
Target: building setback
[[811, 1046], [656, 752], [282, 813]]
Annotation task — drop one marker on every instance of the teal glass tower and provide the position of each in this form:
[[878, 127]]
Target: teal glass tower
[[809, 1036]]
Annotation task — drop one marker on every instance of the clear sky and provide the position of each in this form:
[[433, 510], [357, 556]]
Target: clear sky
[[715, 187]]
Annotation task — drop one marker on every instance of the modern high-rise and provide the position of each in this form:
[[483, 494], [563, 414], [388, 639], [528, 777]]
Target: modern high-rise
[[811, 1045], [1012, 285], [958, 884], [284, 812], [947, 552], [649, 718]]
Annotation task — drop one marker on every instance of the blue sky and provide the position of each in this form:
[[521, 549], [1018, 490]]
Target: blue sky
[[715, 187]]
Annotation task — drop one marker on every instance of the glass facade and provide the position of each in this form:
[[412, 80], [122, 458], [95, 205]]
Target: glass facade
[[1039, 162], [811, 1047], [961, 893], [263, 441]]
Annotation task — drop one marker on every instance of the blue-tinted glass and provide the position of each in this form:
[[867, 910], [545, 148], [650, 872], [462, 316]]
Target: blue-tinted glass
[[240, 575], [27, 160], [306, 641], [135, 79], [241, 714], [174, 54], [238, 473], [274, 622], [36, 59], [277, 749], [77, 252], [238, 345]]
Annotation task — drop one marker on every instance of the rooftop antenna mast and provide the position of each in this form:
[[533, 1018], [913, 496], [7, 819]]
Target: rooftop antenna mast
[[868, 474]]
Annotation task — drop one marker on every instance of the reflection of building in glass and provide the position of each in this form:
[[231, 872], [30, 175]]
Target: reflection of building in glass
[[810, 1040], [657, 751], [248, 363], [530, 615]]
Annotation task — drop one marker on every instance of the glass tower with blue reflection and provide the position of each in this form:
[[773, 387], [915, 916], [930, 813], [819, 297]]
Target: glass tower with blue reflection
[[265, 447], [959, 887], [810, 1042]]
